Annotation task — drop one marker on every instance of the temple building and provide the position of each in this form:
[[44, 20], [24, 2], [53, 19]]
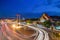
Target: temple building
[[44, 17]]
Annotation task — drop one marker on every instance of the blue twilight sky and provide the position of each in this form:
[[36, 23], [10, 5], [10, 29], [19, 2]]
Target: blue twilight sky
[[29, 8]]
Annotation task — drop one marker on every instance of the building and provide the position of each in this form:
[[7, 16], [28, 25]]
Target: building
[[44, 17]]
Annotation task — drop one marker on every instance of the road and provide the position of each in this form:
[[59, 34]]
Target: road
[[7, 34], [43, 35]]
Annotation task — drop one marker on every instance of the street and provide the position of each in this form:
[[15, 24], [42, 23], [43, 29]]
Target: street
[[6, 33]]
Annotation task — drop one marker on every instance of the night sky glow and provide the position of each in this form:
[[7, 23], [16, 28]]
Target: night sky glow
[[29, 8]]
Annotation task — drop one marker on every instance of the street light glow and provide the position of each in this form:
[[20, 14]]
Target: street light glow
[[14, 26]]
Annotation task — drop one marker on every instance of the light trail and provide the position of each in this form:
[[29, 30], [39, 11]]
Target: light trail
[[40, 36], [13, 35], [4, 33], [43, 34], [6, 30], [9, 30]]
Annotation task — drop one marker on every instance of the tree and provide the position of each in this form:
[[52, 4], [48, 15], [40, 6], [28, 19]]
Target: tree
[[47, 23]]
